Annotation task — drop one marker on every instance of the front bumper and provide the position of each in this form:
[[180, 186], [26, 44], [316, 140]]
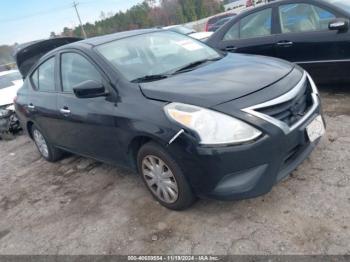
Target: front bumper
[[248, 170], [9, 122]]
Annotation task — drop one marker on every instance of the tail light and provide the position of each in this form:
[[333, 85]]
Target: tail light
[[207, 26]]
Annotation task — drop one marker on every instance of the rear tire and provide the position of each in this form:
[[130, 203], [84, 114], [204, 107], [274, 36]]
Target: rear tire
[[45, 148], [164, 178]]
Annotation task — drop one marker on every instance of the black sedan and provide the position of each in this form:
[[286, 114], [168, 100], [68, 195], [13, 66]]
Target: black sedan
[[312, 33], [186, 117]]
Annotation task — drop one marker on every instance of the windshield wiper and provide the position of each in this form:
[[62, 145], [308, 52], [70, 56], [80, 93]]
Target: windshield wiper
[[150, 78], [195, 64]]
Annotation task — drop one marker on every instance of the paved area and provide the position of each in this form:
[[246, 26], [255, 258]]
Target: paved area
[[79, 206]]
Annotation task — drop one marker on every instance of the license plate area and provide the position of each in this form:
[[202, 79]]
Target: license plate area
[[315, 129]]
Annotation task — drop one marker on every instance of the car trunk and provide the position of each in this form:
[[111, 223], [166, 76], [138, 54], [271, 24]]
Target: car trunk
[[28, 54]]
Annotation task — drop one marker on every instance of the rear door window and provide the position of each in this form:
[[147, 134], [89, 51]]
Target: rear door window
[[298, 18], [258, 24], [255, 25], [43, 77]]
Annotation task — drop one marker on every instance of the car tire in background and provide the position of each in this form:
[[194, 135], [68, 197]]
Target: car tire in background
[[45, 148], [164, 178]]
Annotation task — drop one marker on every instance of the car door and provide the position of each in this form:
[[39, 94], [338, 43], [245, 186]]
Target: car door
[[306, 39], [41, 99], [251, 34], [88, 125]]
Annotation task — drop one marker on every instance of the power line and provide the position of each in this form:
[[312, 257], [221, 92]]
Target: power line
[[44, 12], [81, 24], [53, 10]]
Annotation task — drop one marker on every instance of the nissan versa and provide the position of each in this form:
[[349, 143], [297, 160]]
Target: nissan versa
[[191, 120]]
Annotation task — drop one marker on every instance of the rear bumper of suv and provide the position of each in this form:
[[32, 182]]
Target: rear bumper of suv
[[249, 170]]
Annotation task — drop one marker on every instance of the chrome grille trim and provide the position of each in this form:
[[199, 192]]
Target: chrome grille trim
[[285, 98]]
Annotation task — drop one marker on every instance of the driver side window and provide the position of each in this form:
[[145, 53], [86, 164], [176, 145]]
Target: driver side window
[[76, 69]]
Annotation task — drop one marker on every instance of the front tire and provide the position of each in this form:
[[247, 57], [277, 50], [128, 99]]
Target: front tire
[[164, 178], [45, 148]]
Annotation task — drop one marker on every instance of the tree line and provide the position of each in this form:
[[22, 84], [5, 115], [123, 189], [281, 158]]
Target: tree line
[[148, 14]]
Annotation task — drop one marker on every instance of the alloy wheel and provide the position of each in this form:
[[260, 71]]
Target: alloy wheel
[[160, 179], [41, 143]]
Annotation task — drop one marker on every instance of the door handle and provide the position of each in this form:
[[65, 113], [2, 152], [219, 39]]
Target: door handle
[[230, 49], [285, 43], [31, 106], [65, 111]]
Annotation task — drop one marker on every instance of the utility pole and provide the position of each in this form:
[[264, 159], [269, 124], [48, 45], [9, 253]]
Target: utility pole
[[81, 24]]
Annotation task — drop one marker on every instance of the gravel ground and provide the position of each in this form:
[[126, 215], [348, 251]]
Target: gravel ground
[[79, 206]]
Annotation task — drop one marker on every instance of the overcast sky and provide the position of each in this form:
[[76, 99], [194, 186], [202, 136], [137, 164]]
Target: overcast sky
[[26, 20]]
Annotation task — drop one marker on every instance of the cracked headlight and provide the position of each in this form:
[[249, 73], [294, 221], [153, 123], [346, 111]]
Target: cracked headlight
[[212, 127]]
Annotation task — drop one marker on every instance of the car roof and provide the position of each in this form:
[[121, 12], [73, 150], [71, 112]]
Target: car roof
[[275, 3], [55, 45], [98, 40], [278, 2]]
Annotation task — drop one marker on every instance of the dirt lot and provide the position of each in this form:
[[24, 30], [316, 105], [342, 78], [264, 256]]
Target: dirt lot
[[79, 206]]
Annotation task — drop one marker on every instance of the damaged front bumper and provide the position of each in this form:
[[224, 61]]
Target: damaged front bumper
[[9, 123]]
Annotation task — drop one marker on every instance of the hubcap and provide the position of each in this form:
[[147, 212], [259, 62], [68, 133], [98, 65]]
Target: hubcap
[[160, 179], [41, 143]]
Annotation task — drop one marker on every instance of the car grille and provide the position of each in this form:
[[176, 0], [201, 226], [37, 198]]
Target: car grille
[[290, 112]]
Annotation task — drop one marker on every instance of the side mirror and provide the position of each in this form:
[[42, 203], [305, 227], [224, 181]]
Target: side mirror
[[339, 24], [89, 89]]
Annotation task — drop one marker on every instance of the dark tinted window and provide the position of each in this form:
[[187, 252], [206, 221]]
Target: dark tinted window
[[44, 77], [75, 70]]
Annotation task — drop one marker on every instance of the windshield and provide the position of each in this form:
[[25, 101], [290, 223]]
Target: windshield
[[181, 29], [343, 4], [6, 80], [222, 21], [155, 53]]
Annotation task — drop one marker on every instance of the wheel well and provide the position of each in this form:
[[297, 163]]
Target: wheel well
[[29, 128], [134, 148]]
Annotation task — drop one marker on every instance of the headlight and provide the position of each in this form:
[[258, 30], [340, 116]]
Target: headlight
[[212, 127]]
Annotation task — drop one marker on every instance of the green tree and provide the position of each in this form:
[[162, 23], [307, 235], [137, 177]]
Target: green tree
[[149, 14], [180, 17], [53, 35], [189, 9]]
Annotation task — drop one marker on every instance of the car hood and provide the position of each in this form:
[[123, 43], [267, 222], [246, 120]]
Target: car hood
[[234, 76], [9, 93]]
